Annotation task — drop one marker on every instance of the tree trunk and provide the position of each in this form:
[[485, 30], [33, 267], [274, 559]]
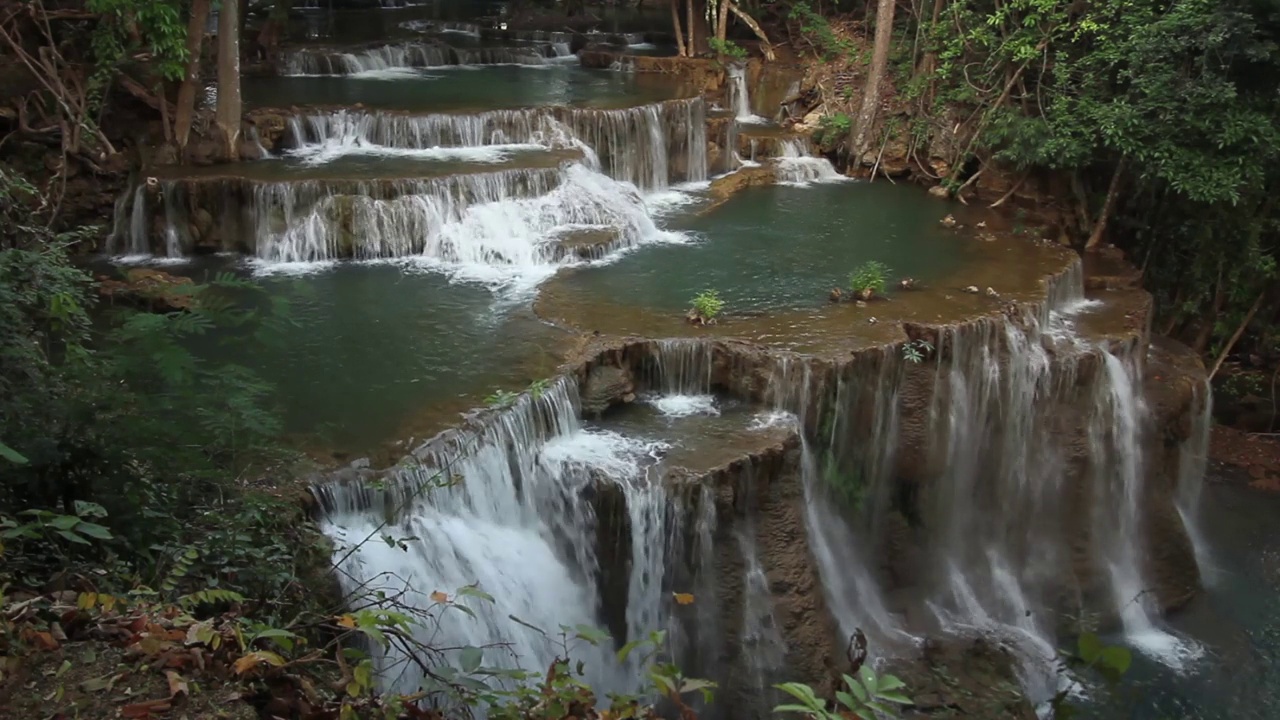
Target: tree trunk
[[229, 105], [187, 92], [722, 20], [750, 22], [675, 25], [871, 94], [1113, 192], [688, 19], [679, 31], [1235, 337]]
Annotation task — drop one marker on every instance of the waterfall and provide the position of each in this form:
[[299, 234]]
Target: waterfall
[[1193, 459], [517, 520], [408, 55], [649, 145], [739, 96], [795, 166], [1119, 505]]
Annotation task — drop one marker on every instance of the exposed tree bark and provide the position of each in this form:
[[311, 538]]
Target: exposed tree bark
[[675, 25], [1108, 206], [1235, 337], [229, 105], [186, 109], [688, 19], [722, 20], [750, 22], [871, 94]]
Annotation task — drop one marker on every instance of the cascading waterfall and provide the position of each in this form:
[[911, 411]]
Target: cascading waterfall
[[486, 220], [795, 166], [520, 520], [1193, 459], [739, 96], [635, 145], [1119, 471], [410, 55]]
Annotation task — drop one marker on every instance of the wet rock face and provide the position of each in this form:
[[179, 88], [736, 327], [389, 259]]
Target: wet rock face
[[606, 386], [148, 289]]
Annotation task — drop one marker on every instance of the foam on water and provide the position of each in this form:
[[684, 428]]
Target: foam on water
[[676, 406], [796, 167]]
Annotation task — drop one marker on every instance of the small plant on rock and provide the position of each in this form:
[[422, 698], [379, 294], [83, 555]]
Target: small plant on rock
[[868, 697], [868, 279], [916, 351], [538, 388], [707, 307], [501, 399]]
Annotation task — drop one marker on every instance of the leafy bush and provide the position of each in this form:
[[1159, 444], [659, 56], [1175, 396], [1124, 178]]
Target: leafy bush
[[832, 130], [125, 452], [727, 48], [868, 278], [868, 697], [916, 351], [707, 306]]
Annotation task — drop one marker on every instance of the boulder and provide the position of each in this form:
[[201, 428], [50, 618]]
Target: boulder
[[605, 387], [149, 289]]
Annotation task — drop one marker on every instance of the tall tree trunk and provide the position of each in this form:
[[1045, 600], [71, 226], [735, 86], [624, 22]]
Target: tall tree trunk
[[187, 92], [871, 94], [688, 19], [722, 20], [229, 105], [1108, 206], [675, 25]]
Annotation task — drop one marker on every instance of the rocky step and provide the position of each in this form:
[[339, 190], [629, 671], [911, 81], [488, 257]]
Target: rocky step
[[219, 211], [354, 162], [585, 243], [415, 54]]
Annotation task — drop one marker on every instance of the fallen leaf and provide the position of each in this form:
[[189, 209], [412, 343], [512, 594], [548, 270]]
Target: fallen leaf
[[177, 685], [253, 659], [145, 709], [683, 598]]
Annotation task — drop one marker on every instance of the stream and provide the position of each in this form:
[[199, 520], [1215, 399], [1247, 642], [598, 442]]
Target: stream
[[457, 211]]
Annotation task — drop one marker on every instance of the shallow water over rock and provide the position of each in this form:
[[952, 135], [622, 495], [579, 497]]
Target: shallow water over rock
[[986, 453]]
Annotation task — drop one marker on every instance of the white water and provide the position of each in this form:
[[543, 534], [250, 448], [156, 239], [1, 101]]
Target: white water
[[795, 166], [519, 524], [677, 406], [739, 96]]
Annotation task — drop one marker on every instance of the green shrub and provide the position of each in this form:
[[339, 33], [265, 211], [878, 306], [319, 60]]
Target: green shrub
[[868, 279], [707, 306]]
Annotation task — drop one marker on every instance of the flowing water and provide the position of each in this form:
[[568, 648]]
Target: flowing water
[[485, 175]]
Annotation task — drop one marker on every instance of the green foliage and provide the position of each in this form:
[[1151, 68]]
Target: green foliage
[[707, 305], [917, 351], [538, 388], [127, 27], [869, 278], [501, 399], [134, 448], [1176, 100], [818, 31], [832, 130], [870, 696], [727, 48], [1111, 661]]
